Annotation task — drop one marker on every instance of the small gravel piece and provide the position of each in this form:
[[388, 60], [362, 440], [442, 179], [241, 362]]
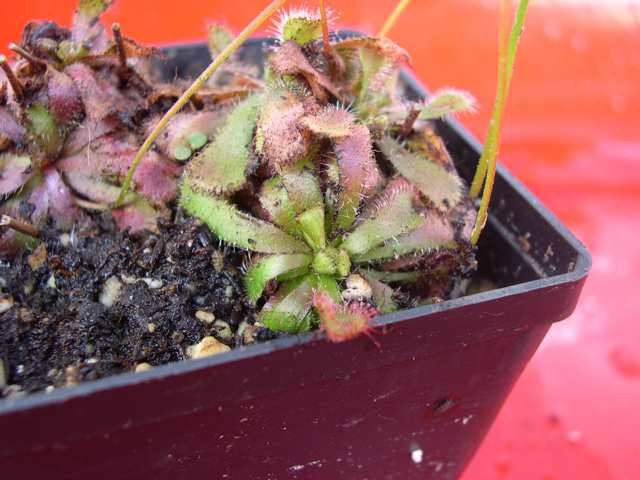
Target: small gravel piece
[[223, 330], [204, 316], [153, 283], [3, 375], [6, 302], [143, 367], [357, 288], [206, 347], [110, 291]]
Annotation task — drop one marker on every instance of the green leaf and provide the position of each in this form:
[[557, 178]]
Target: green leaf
[[438, 185], [446, 102], [331, 261], [286, 196], [435, 233], [301, 26], [91, 10], [394, 215], [238, 228], [43, 127], [392, 277], [219, 37], [221, 167], [359, 173], [287, 309], [268, 268], [312, 227], [376, 72]]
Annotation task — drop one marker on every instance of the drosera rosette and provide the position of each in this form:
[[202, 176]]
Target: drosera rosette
[[323, 197], [343, 211], [74, 110]]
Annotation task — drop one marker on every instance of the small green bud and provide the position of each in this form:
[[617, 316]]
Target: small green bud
[[324, 262], [312, 225], [182, 153], [197, 140]]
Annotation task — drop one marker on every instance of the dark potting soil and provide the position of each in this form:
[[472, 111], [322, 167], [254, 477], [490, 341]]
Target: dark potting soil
[[82, 307]]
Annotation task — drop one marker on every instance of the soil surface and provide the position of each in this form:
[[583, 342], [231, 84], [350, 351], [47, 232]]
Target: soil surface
[[81, 307]]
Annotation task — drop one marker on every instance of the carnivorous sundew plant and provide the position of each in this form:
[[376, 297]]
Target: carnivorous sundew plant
[[340, 191]]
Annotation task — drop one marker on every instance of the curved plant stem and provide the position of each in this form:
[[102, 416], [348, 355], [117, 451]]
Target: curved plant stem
[[195, 86], [493, 134], [503, 29], [325, 29], [393, 18], [18, 89], [326, 44]]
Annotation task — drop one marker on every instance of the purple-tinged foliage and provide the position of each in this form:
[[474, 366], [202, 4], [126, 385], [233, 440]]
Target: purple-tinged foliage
[[337, 181]]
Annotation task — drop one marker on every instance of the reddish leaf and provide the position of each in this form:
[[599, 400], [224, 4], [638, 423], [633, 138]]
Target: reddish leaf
[[86, 29], [185, 124], [10, 128], [343, 322], [288, 59], [434, 233], [384, 47], [85, 133], [62, 207], [157, 178], [279, 137], [100, 94], [111, 156], [139, 215], [64, 97], [359, 173]]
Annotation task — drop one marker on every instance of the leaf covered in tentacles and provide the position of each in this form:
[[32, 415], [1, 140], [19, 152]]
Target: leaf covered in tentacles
[[236, 227], [65, 102], [68, 139], [434, 232], [87, 32], [372, 72], [286, 196], [279, 138], [342, 321], [394, 214], [448, 101], [289, 59], [270, 268], [299, 25], [320, 169], [218, 38], [222, 166], [359, 174], [441, 187]]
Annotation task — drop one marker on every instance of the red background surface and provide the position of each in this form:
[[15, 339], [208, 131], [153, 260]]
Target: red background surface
[[572, 134]]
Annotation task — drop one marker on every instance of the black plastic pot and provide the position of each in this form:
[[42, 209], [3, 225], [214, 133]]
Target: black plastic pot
[[303, 408]]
